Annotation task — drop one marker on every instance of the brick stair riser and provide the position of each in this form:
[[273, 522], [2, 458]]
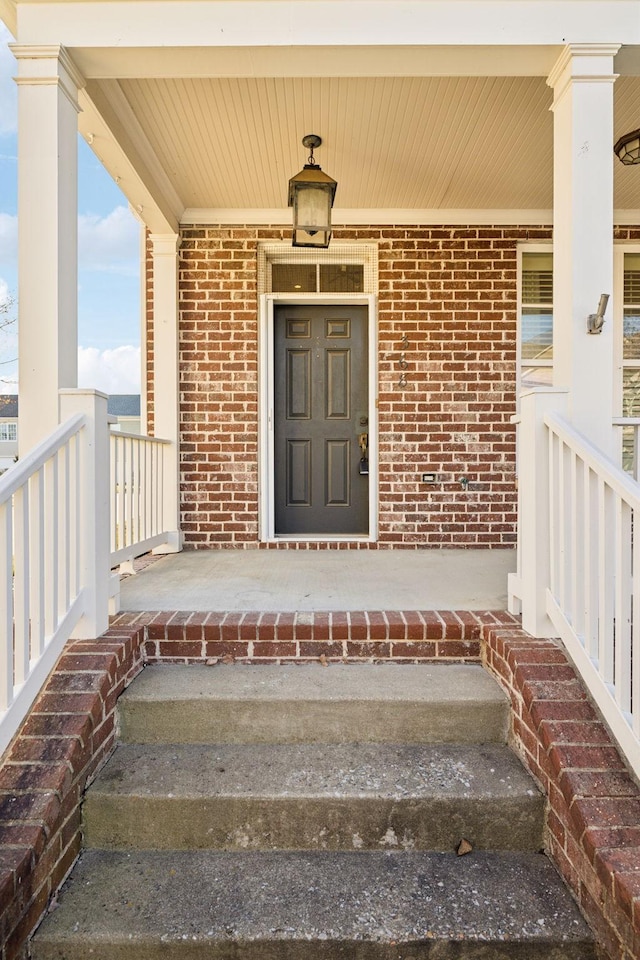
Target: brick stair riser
[[409, 636]]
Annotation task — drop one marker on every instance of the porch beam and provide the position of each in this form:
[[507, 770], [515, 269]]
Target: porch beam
[[284, 23], [582, 81], [166, 385], [48, 85], [111, 128]]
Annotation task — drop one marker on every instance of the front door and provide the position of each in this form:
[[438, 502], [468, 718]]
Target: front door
[[321, 427]]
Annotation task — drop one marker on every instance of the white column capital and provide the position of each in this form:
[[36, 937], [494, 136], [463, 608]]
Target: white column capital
[[47, 65], [165, 244], [583, 62]]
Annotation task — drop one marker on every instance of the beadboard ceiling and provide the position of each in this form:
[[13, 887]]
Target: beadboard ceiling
[[390, 142]]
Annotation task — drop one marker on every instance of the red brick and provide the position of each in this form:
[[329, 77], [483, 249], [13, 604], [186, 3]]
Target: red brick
[[606, 812], [584, 757], [316, 649], [373, 649], [180, 649], [420, 650], [268, 649]]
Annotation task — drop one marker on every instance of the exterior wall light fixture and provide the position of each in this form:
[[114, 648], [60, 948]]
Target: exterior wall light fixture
[[595, 321], [311, 194], [627, 148]]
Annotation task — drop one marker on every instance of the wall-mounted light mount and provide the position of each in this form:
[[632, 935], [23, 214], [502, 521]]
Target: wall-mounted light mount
[[595, 321]]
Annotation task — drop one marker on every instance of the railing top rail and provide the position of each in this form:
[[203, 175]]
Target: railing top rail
[[626, 421], [137, 436], [14, 478], [619, 481]]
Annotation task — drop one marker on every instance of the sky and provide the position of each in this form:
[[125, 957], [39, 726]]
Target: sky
[[108, 261]]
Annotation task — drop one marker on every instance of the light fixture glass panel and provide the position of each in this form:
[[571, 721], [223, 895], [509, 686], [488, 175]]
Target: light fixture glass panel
[[293, 277], [313, 206], [319, 238], [537, 334], [341, 277]]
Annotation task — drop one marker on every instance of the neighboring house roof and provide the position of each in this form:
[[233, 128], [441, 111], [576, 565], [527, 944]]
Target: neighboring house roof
[[124, 405], [118, 405], [8, 406]]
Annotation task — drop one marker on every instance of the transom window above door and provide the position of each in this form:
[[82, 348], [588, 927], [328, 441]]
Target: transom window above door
[[346, 269], [317, 278]]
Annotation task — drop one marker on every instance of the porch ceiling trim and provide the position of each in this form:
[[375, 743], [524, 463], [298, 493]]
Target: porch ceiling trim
[[203, 62], [365, 216]]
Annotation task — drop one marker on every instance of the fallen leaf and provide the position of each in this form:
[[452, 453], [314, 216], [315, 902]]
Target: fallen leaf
[[211, 662], [463, 847], [228, 658], [323, 660]]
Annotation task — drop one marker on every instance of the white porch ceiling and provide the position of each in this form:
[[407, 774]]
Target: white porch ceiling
[[427, 143]]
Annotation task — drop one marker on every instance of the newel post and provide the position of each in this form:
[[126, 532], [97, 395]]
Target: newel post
[[534, 513], [94, 514]]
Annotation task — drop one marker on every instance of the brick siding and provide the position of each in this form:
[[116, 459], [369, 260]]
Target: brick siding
[[68, 735], [452, 291], [593, 813]]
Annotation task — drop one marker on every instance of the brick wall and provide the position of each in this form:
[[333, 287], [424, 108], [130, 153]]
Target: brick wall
[[593, 812], [67, 736], [452, 291]]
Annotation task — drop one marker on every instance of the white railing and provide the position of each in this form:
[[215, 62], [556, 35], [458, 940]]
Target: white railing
[[79, 504], [40, 567], [629, 428], [137, 495], [579, 560]]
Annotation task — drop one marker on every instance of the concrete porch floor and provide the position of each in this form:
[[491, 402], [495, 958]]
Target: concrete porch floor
[[317, 580]]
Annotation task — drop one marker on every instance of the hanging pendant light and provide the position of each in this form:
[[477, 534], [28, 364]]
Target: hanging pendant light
[[627, 148], [311, 194]]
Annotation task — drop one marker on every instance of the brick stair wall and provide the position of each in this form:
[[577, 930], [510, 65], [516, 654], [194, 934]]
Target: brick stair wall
[[593, 818], [593, 822]]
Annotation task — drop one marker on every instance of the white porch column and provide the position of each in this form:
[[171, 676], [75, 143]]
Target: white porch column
[[582, 81], [166, 392], [48, 85]]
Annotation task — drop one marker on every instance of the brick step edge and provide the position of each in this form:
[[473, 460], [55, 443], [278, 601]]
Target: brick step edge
[[399, 635]]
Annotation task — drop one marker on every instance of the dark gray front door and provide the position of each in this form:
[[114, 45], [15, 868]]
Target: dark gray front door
[[321, 410]]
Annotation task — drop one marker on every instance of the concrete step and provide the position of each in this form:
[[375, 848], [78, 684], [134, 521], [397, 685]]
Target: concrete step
[[313, 906], [340, 703], [313, 796]]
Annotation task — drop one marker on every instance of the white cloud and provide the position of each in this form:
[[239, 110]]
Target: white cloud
[[8, 237], [112, 371], [8, 89], [106, 244], [110, 243]]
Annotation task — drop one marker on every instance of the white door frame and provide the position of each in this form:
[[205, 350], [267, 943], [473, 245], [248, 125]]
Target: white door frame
[[266, 450]]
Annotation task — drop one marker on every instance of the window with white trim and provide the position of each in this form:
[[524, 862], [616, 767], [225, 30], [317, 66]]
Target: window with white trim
[[8, 431], [536, 319]]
